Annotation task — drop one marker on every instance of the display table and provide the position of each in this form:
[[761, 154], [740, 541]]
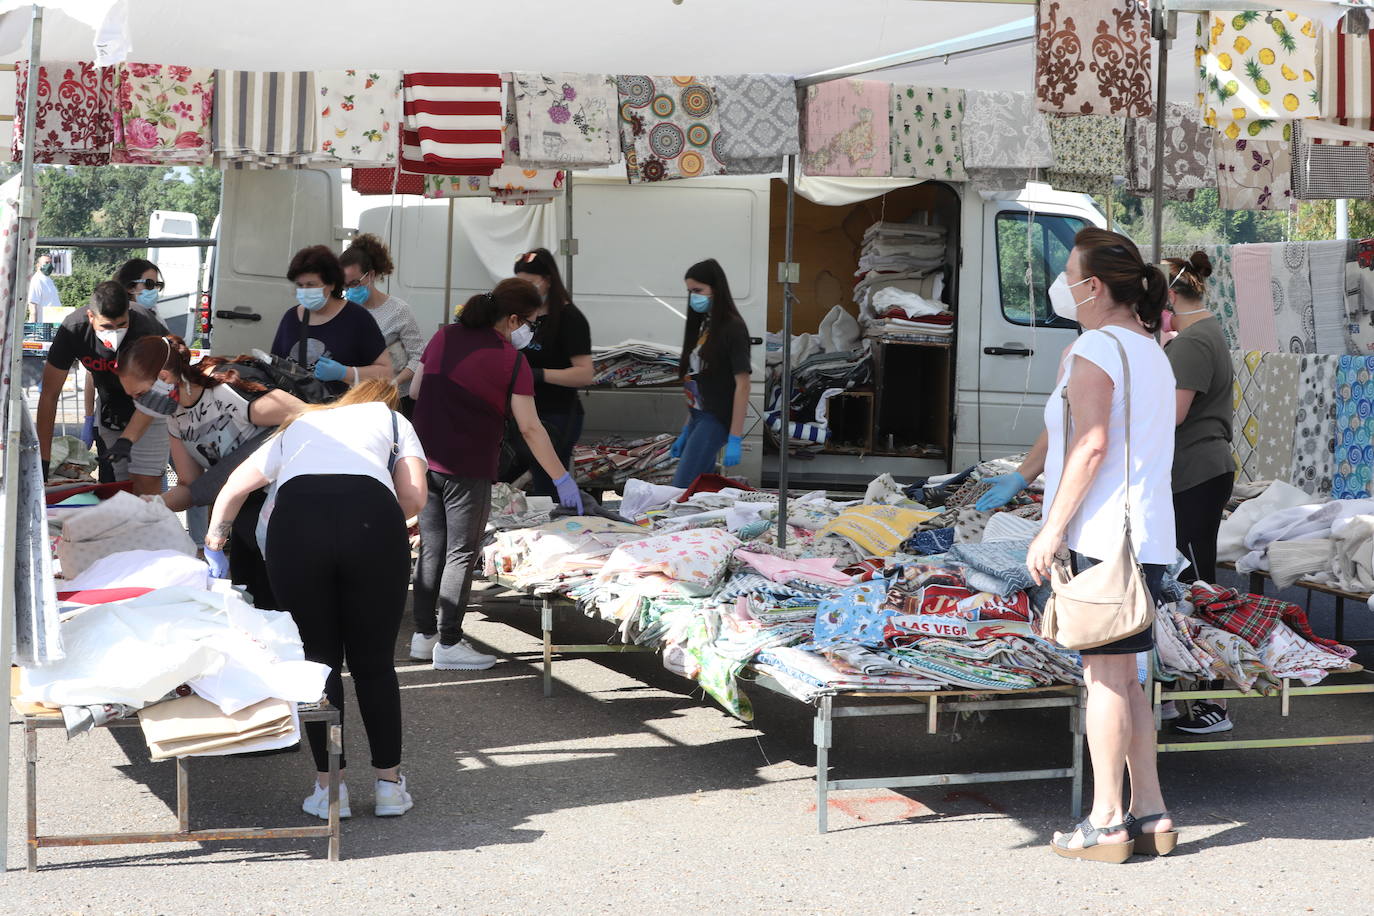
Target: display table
[[35, 718], [1256, 587]]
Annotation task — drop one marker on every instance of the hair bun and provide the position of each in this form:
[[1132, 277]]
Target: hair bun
[[1201, 264]]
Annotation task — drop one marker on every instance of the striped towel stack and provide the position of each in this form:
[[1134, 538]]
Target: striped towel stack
[[452, 123], [263, 120]]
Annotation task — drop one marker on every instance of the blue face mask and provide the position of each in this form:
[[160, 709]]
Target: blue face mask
[[147, 298], [310, 299], [357, 294], [699, 303]]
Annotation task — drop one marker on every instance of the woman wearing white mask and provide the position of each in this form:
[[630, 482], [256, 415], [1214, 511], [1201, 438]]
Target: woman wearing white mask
[[715, 375], [366, 262], [1118, 300], [342, 343]]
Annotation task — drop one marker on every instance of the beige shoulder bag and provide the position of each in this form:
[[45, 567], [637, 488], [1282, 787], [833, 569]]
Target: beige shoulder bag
[[1109, 601]]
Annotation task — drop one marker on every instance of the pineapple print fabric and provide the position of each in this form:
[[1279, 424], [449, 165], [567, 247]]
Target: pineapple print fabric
[[1259, 70], [926, 125]]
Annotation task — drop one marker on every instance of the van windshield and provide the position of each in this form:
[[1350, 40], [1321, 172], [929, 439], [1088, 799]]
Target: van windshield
[[1046, 247]]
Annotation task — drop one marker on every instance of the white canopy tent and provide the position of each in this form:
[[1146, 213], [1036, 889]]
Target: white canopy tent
[[974, 45]]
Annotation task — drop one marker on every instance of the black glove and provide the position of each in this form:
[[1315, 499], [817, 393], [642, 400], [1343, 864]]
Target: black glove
[[121, 450], [538, 372], [46, 468]]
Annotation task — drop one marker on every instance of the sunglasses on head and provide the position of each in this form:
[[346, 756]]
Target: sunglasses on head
[[148, 284]]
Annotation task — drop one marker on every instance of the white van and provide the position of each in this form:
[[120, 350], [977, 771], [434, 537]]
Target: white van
[[180, 269], [980, 398]]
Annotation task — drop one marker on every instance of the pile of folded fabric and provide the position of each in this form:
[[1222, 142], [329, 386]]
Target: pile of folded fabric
[[833, 360], [634, 363], [609, 463], [901, 280]]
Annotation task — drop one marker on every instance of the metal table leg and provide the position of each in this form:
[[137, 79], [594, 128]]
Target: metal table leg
[[31, 794], [335, 750], [183, 796], [546, 624], [823, 734]]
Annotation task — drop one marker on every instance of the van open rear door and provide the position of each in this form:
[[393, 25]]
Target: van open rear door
[[1021, 340]]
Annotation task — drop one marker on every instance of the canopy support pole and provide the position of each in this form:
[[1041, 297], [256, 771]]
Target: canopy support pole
[[785, 448], [448, 266], [1342, 219], [28, 217], [1162, 24], [569, 244]]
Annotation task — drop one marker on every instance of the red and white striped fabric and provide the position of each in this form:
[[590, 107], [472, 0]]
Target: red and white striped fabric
[[452, 123], [1347, 83]]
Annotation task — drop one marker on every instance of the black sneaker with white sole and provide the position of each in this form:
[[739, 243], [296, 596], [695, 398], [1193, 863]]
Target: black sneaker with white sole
[[1205, 719]]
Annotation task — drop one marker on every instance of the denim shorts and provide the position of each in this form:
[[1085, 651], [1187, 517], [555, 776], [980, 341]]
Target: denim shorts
[[1143, 641]]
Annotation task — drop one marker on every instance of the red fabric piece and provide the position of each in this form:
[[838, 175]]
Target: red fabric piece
[[387, 181], [712, 483], [866, 570], [102, 490], [102, 595], [430, 145]]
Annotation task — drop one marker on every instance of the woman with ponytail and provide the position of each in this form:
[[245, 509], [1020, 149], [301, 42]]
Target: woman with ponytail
[[471, 379], [1118, 300]]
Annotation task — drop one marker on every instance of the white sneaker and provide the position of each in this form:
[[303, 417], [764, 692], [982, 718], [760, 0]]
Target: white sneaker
[[461, 657], [422, 646], [318, 802], [392, 798]]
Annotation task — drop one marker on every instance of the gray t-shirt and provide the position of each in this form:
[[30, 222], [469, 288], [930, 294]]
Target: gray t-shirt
[[1202, 443]]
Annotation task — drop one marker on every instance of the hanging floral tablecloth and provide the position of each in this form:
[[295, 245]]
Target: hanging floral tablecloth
[[669, 126], [162, 115], [73, 119], [845, 129], [1088, 151], [1003, 130], [1254, 174], [1190, 161], [1094, 57], [566, 120], [357, 117], [926, 133]]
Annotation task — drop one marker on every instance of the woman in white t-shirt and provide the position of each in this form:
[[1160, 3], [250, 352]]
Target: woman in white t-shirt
[[1118, 300], [348, 475]]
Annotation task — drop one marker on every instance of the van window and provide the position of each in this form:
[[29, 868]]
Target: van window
[[1050, 240]]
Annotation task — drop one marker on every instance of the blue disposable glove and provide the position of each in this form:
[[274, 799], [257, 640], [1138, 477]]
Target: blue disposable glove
[[569, 496], [327, 370], [733, 446], [681, 440], [1004, 490], [88, 432], [218, 563]]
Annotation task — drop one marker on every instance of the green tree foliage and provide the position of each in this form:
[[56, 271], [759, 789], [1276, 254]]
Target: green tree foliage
[[115, 202]]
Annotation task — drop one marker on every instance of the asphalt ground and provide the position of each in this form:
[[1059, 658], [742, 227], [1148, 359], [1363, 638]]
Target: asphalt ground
[[628, 792]]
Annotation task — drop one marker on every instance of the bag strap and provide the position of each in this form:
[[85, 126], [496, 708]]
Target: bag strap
[[395, 444], [1126, 391]]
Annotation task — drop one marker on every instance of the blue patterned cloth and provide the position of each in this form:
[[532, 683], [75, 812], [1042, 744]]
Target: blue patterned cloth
[[1354, 405], [929, 543], [853, 616]]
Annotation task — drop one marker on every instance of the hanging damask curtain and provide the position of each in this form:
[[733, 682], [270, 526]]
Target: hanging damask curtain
[[1094, 57]]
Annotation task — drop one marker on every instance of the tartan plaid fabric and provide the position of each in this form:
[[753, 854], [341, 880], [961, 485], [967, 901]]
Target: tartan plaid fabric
[[1251, 617], [1296, 618]]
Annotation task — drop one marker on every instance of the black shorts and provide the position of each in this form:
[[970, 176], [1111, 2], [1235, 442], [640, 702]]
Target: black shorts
[[1143, 641]]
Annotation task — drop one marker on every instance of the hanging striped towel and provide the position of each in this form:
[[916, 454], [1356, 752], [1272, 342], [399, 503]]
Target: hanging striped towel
[[452, 123], [263, 120]]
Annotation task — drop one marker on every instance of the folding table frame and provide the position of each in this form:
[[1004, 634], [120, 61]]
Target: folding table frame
[[183, 834]]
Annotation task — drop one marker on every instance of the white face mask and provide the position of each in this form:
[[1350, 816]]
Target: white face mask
[[1062, 300], [520, 338], [111, 338]]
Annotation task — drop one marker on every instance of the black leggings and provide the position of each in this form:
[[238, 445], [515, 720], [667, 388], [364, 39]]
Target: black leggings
[[339, 559], [1197, 519]]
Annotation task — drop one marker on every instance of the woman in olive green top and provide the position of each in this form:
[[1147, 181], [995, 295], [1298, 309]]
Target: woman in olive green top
[[1204, 469]]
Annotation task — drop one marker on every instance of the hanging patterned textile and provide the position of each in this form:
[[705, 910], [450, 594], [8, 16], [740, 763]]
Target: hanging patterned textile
[[357, 117], [73, 120], [846, 131], [373, 182], [1259, 70], [566, 120], [452, 123], [1220, 296], [668, 127], [1329, 171], [1094, 57], [1248, 403], [1253, 174], [1357, 329], [1315, 425], [1003, 130], [1274, 453], [1354, 453], [1255, 296], [263, 120], [1088, 151], [1190, 161], [1347, 78], [926, 125], [163, 115], [1327, 274], [759, 122], [1294, 325]]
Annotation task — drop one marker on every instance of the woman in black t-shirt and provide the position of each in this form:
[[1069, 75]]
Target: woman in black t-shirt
[[715, 375], [560, 355]]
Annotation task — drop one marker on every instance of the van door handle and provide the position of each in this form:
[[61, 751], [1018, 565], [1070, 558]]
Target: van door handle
[[1008, 351], [240, 316]]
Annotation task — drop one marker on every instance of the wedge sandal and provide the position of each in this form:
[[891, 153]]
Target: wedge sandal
[[1151, 844], [1092, 849]]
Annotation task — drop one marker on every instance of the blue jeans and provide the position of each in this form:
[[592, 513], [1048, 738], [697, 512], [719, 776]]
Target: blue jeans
[[703, 439]]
